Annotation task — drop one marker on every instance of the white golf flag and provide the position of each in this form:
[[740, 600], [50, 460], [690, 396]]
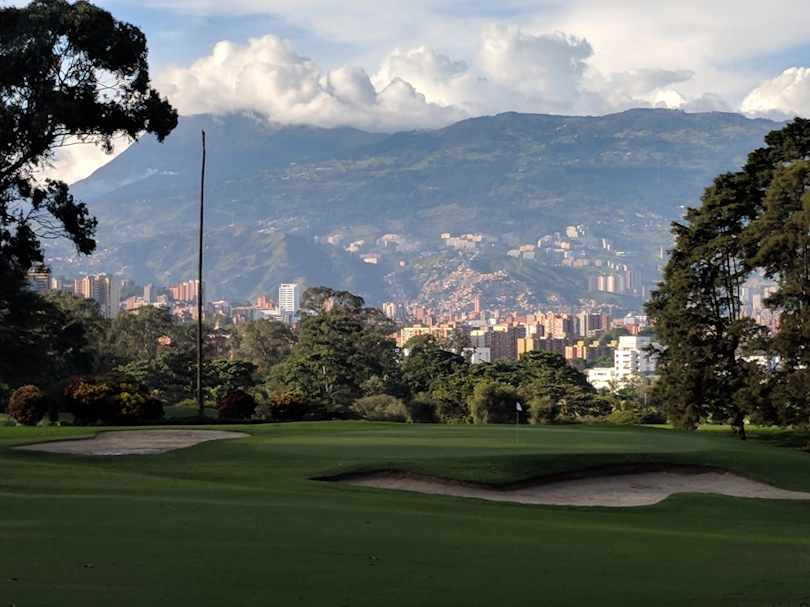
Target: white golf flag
[[518, 407]]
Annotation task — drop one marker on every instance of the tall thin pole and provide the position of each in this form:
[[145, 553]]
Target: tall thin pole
[[200, 403]]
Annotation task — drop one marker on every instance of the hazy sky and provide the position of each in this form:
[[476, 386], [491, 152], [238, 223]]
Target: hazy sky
[[391, 65]]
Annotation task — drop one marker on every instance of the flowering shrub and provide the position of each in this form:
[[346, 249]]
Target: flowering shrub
[[288, 406], [133, 403], [90, 400]]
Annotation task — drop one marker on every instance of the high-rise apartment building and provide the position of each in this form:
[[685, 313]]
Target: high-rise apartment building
[[632, 358], [39, 282], [104, 290], [187, 292], [289, 296]]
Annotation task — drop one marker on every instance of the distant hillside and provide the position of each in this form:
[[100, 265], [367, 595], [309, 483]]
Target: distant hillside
[[624, 175]]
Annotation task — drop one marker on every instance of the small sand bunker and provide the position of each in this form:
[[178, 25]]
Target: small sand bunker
[[134, 442], [612, 488]]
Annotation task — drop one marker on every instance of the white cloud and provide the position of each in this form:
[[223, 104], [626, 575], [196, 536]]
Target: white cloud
[[417, 88], [541, 73], [782, 97], [637, 81], [441, 80], [78, 160], [572, 57], [268, 77]]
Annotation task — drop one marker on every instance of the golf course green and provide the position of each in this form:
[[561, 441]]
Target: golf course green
[[240, 522]]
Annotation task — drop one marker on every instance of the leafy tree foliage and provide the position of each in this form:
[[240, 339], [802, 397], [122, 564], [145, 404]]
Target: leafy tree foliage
[[493, 403], [227, 376], [428, 361], [339, 349], [67, 72], [172, 374], [141, 335], [262, 342], [43, 338], [754, 220]]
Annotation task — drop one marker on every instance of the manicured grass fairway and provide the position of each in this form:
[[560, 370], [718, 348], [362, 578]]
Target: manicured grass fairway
[[234, 523]]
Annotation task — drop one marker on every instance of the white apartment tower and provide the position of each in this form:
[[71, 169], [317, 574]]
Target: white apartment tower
[[631, 357], [289, 295]]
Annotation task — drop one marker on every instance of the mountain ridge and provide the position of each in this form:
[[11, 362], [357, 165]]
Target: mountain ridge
[[626, 176]]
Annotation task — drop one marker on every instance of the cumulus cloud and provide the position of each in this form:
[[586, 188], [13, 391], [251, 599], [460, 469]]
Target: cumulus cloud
[[509, 69], [782, 97], [441, 80], [417, 88], [268, 77], [543, 73], [636, 82]]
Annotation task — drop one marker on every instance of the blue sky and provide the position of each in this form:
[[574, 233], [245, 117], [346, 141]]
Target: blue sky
[[396, 65]]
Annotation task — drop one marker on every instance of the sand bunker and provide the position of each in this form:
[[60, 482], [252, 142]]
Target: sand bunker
[[134, 442], [613, 488]]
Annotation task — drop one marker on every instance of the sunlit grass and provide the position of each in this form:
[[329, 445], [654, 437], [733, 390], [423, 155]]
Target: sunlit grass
[[239, 522]]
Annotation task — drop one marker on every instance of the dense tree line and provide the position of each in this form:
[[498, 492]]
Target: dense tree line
[[341, 362], [718, 364]]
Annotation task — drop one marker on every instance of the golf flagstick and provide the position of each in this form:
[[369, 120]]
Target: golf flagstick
[[518, 409]]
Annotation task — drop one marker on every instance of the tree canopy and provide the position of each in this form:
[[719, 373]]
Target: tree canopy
[[68, 73], [752, 222]]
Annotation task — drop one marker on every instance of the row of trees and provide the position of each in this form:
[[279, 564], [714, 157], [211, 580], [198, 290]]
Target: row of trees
[[69, 73], [718, 363], [342, 361], [345, 363]]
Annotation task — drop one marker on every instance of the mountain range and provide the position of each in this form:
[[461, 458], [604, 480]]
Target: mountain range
[[284, 202]]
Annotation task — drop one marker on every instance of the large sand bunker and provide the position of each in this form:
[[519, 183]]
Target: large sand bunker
[[134, 442], [614, 487]]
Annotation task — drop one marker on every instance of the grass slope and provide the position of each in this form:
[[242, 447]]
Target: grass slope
[[239, 523]]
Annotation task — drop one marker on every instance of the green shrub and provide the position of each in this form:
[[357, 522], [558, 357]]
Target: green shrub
[[422, 409], [543, 410], [636, 416], [236, 405], [28, 405], [493, 403], [381, 408], [286, 407], [133, 402]]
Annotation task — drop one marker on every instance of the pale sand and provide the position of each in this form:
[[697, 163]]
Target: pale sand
[[134, 442], [613, 490]]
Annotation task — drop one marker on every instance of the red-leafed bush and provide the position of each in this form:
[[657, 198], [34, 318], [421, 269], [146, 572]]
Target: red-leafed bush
[[288, 406], [236, 405], [28, 405]]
